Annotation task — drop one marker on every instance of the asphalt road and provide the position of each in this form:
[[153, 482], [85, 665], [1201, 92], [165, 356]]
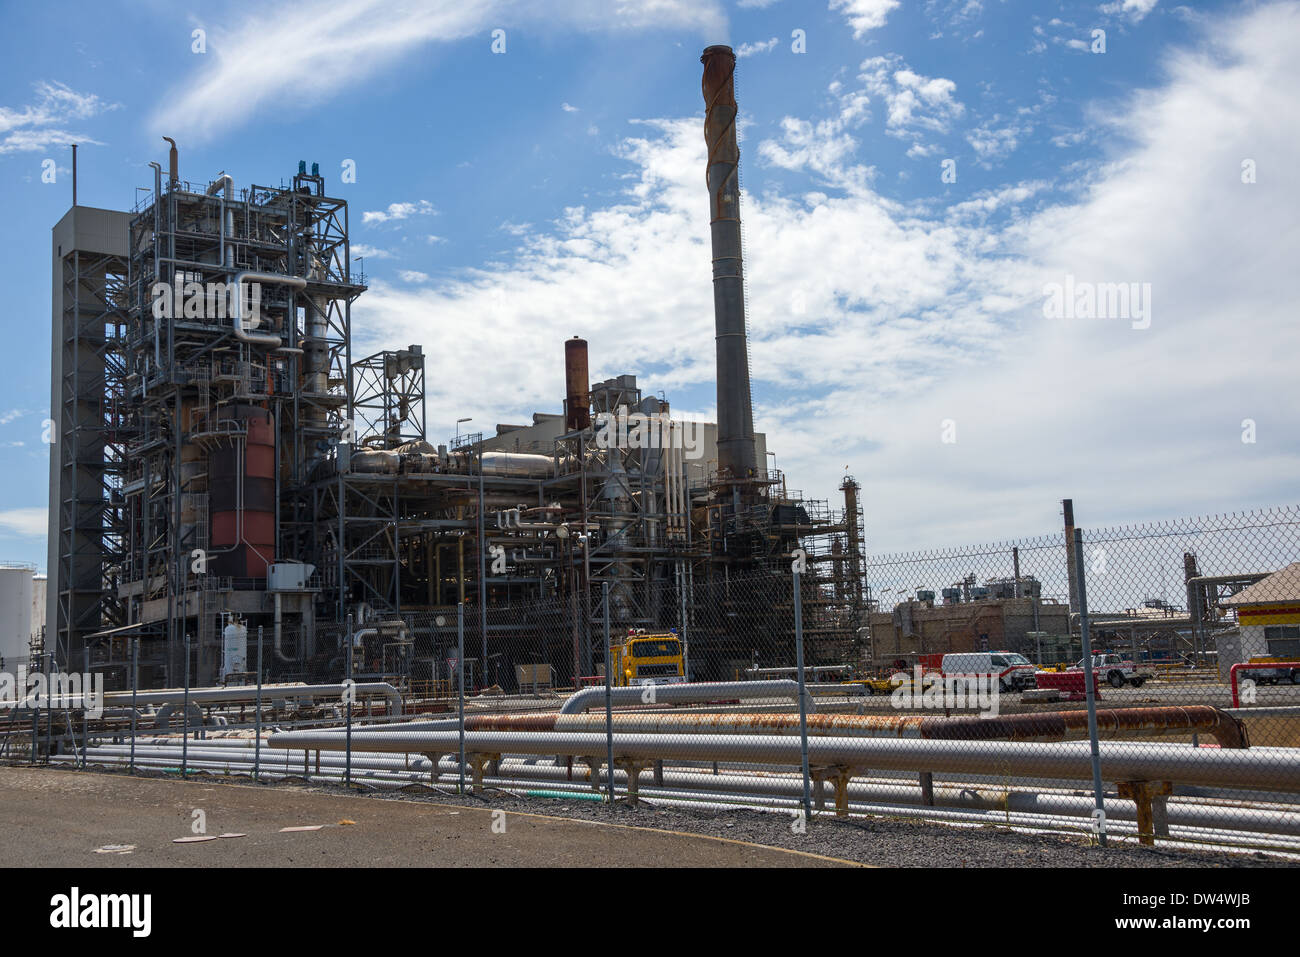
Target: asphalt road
[[66, 818]]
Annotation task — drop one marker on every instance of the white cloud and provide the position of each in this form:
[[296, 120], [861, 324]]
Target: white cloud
[[399, 211], [1067, 140], [42, 124], [27, 522], [370, 252], [749, 49], [568, 108], [865, 15], [991, 142], [413, 275], [914, 104], [876, 320], [1134, 10], [299, 55], [953, 13], [822, 147]]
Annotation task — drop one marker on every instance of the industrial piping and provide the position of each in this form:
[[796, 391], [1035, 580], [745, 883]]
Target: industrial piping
[[1228, 731], [237, 312], [245, 694], [1274, 769], [1190, 812], [686, 694]]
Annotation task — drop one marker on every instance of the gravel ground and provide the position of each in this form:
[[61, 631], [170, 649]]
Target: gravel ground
[[881, 842], [63, 818]]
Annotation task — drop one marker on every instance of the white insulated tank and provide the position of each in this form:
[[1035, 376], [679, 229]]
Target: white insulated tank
[[234, 648], [40, 584], [15, 615]]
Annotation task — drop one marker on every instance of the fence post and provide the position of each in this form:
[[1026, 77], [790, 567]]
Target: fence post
[[49, 708], [803, 702], [1088, 681], [135, 682], [36, 722], [347, 703], [609, 712], [482, 575], [460, 690], [257, 715], [185, 710], [686, 647]]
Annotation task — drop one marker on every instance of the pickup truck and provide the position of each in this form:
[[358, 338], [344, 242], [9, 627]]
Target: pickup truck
[[1117, 671]]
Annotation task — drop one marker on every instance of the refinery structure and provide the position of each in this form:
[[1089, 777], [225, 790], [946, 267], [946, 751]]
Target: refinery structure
[[280, 567], [221, 456]]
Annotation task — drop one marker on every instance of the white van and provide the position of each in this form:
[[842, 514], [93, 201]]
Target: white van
[[1013, 672]]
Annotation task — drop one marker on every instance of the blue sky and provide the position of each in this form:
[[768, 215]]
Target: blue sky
[[507, 200]]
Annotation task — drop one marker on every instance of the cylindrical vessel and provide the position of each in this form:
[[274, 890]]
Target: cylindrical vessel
[[234, 648], [15, 616], [577, 386], [242, 496]]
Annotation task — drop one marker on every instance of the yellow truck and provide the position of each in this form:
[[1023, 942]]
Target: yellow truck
[[647, 659]]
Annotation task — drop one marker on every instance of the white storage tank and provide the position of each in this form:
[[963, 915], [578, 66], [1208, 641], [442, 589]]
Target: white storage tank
[[15, 614], [234, 648], [40, 585]]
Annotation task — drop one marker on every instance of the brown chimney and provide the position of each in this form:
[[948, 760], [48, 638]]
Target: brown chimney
[[577, 386], [736, 452]]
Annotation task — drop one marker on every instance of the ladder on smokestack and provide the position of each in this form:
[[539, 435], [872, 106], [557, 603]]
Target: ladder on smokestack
[[760, 468]]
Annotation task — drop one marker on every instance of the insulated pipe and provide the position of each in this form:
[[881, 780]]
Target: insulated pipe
[[686, 694], [1254, 768], [240, 695], [514, 773], [157, 325], [1037, 802], [278, 631], [227, 215], [237, 313], [1228, 731], [1204, 827], [222, 182]]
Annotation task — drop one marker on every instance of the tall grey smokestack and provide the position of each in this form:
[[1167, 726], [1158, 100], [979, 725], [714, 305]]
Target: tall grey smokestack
[[736, 454]]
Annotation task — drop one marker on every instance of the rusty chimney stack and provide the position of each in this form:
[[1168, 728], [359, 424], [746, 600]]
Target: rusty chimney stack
[[736, 452], [577, 386]]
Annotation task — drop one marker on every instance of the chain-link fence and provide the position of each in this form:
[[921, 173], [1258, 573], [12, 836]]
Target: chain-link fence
[[1132, 683]]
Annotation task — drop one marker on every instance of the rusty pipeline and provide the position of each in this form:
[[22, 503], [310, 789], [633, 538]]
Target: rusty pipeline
[[1115, 723]]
